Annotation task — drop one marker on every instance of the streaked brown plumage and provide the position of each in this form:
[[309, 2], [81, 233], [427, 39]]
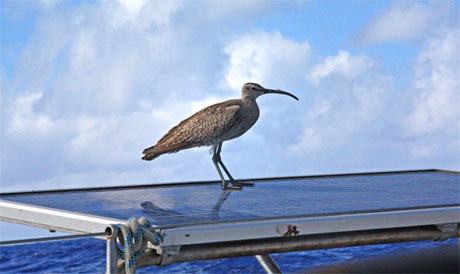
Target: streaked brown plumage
[[214, 125]]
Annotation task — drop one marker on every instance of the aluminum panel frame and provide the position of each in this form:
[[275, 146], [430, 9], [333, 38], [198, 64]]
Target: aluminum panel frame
[[250, 230], [54, 219]]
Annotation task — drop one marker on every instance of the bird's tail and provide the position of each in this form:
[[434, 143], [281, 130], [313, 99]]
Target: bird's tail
[[150, 154], [157, 150]]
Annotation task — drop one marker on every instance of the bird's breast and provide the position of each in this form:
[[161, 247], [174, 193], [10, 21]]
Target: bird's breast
[[249, 115]]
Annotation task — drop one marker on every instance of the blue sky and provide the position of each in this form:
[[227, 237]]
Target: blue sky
[[86, 86]]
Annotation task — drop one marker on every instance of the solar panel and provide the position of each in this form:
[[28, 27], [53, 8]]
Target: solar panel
[[310, 196], [196, 221]]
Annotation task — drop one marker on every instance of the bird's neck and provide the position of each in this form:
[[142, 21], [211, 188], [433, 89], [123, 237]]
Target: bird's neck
[[251, 104], [247, 99]]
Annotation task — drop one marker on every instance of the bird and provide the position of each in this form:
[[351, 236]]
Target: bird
[[212, 126]]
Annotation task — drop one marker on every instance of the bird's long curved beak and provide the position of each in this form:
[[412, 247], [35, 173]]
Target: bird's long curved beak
[[280, 92]]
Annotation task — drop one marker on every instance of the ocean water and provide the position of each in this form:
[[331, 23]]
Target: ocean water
[[88, 256]]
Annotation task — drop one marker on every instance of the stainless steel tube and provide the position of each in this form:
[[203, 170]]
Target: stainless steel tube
[[111, 255], [296, 243], [268, 264]]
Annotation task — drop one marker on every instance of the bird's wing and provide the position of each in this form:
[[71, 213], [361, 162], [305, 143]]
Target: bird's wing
[[202, 128]]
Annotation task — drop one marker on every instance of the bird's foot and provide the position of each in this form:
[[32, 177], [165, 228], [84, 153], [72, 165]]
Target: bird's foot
[[231, 187], [241, 184], [235, 185]]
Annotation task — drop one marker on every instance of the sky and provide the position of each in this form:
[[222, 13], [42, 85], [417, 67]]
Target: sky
[[87, 85]]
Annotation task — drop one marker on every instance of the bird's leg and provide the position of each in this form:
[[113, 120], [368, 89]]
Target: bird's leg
[[215, 160], [233, 181], [219, 160]]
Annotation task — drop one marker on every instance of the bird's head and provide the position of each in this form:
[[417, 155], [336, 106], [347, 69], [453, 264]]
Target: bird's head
[[254, 90]]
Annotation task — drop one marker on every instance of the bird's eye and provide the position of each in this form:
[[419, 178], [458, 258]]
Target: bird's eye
[[253, 88]]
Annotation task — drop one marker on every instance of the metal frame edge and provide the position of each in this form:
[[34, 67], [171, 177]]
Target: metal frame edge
[[245, 230], [48, 218]]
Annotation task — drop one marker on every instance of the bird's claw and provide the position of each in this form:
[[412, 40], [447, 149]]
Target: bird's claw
[[242, 184], [236, 185], [232, 187]]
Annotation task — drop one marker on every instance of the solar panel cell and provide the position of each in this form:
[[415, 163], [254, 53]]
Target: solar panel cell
[[309, 196]]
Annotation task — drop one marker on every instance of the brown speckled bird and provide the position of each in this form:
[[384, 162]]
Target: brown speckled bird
[[214, 125]]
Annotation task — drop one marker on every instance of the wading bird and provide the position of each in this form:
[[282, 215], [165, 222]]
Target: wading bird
[[212, 126]]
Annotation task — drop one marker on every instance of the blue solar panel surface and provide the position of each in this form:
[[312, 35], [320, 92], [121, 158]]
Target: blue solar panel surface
[[289, 197]]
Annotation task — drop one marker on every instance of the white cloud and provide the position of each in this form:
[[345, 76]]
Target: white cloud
[[437, 83], [139, 15], [83, 50], [344, 112], [133, 6], [25, 120], [267, 58], [348, 99], [343, 63], [405, 21], [90, 131], [423, 151]]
